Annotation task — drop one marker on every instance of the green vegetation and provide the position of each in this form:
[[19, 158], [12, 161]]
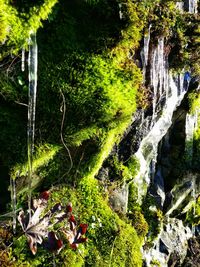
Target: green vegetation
[[43, 155], [96, 83], [111, 241], [154, 217], [89, 86], [18, 20], [193, 215], [194, 105], [155, 263], [194, 102]]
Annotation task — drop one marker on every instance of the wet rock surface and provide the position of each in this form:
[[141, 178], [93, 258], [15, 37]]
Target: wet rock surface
[[171, 246], [193, 253]]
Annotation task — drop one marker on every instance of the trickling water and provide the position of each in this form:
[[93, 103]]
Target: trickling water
[[32, 68], [147, 151], [23, 60]]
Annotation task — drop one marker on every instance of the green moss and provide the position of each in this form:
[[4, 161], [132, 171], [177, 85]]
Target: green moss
[[112, 234], [85, 62], [194, 105], [153, 217], [43, 156], [155, 263], [16, 26], [132, 197], [133, 165], [139, 223], [194, 102], [135, 213], [193, 215]]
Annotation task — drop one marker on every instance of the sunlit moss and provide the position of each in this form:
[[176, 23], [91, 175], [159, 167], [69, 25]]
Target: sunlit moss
[[16, 26], [44, 154]]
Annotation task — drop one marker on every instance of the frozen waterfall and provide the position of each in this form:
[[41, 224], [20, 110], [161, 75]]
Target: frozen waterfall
[[168, 91], [147, 151]]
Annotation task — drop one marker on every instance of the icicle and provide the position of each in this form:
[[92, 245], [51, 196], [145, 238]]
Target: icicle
[[23, 60], [145, 51], [159, 76], [192, 6], [14, 203], [146, 45], [120, 11], [32, 67]]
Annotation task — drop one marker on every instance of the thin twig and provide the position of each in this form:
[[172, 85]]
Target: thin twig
[[111, 254], [61, 132], [22, 104], [12, 63]]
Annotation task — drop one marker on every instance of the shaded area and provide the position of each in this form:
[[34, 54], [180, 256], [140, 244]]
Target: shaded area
[[13, 144], [80, 25]]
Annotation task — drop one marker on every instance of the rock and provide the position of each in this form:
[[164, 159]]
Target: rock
[[103, 174], [193, 253], [119, 199], [158, 189], [180, 192], [170, 247]]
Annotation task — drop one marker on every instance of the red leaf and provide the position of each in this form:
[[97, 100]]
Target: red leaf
[[74, 246], [72, 219], [53, 243], [59, 244], [83, 227], [45, 195], [69, 207]]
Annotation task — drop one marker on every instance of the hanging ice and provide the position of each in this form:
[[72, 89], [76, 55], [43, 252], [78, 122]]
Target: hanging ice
[[32, 68], [120, 11], [13, 203], [192, 6], [23, 60], [145, 50], [158, 77]]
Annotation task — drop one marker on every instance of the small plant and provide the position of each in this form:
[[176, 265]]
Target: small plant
[[39, 226]]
